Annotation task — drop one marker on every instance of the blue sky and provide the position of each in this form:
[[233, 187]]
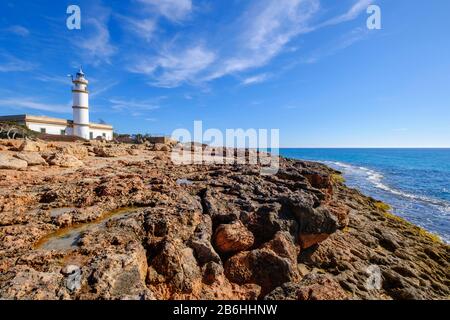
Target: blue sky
[[310, 68]]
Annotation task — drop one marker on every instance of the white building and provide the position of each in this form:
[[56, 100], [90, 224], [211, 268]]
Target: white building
[[79, 126]]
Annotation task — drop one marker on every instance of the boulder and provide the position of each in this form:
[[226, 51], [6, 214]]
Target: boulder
[[32, 146], [233, 237], [309, 240], [212, 272], [159, 147], [32, 158], [73, 277], [282, 245], [11, 144], [64, 160], [261, 266], [9, 163], [315, 225], [77, 150], [109, 151], [177, 264], [201, 242], [120, 274]]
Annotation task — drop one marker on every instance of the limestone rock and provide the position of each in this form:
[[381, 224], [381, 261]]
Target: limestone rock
[[77, 150], [233, 237], [178, 265], [64, 160], [32, 158], [32, 146], [110, 151], [9, 163], [260, 266], [312, 287], [73, 277], [201, 242]]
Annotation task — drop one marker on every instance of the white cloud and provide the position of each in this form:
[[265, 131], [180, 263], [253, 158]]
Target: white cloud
[[255, 79], [173, 67], [144, 28], [56, 79], [18, 30], [269, 25], [174, 10], [31, 103], [352, 13], [341, 43], [97, 46], [13, 64], [133, 105], [98, 91], [262, 32]]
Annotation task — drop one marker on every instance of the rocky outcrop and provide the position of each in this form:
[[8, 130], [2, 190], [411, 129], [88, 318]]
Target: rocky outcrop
[[9, 163], [311, 287], [32, 158], [77, 150], [64, 160], [233, 237], [110, 151], [121, 227], [32, 146]]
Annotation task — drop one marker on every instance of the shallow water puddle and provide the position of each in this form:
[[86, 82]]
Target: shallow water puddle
[[68, 238]]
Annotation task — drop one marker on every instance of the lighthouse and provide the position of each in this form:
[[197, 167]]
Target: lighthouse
[[78, 127], [80, 105]]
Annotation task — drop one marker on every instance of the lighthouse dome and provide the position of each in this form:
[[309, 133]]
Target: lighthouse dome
[[80, 77]]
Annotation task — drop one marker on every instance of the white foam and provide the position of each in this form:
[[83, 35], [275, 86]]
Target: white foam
[[376, 179]]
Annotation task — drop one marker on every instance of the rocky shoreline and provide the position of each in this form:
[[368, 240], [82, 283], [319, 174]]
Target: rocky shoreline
[[100, 220]]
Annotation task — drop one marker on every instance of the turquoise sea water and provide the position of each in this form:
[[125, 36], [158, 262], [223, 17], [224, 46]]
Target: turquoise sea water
[[415, 182]]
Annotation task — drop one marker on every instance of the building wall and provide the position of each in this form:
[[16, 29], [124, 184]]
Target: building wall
[[49, 128], [99, 133]]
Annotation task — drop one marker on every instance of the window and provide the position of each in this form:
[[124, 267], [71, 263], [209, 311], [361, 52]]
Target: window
[[43, 130], [104, 135], [91, 135], [63, 132]]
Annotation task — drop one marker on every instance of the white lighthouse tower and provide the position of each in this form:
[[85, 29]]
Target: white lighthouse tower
[[80, 105]]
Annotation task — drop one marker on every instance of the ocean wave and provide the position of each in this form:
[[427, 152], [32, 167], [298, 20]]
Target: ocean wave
[[376, 179]]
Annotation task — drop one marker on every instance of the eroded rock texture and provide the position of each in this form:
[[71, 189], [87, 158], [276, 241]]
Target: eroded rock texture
[[108, 221]]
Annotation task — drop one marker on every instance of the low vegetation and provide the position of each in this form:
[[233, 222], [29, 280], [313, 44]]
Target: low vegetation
[[337, 178]]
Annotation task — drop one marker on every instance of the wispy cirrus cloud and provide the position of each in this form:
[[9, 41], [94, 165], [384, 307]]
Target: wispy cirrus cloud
[[143, 28], [94, 43], [173, 10], [18, 30], [133, 105], [102, 89], [269, 27], [54, 79], [34, 104], [255, 79], [358, 7], [11, 63], [173, 67], [337, 45], [97, 46]]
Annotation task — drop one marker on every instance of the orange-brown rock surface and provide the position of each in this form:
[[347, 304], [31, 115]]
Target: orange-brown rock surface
[[101, 220]]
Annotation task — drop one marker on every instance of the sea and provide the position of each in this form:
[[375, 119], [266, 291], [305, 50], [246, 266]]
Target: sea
[[414, 182]]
